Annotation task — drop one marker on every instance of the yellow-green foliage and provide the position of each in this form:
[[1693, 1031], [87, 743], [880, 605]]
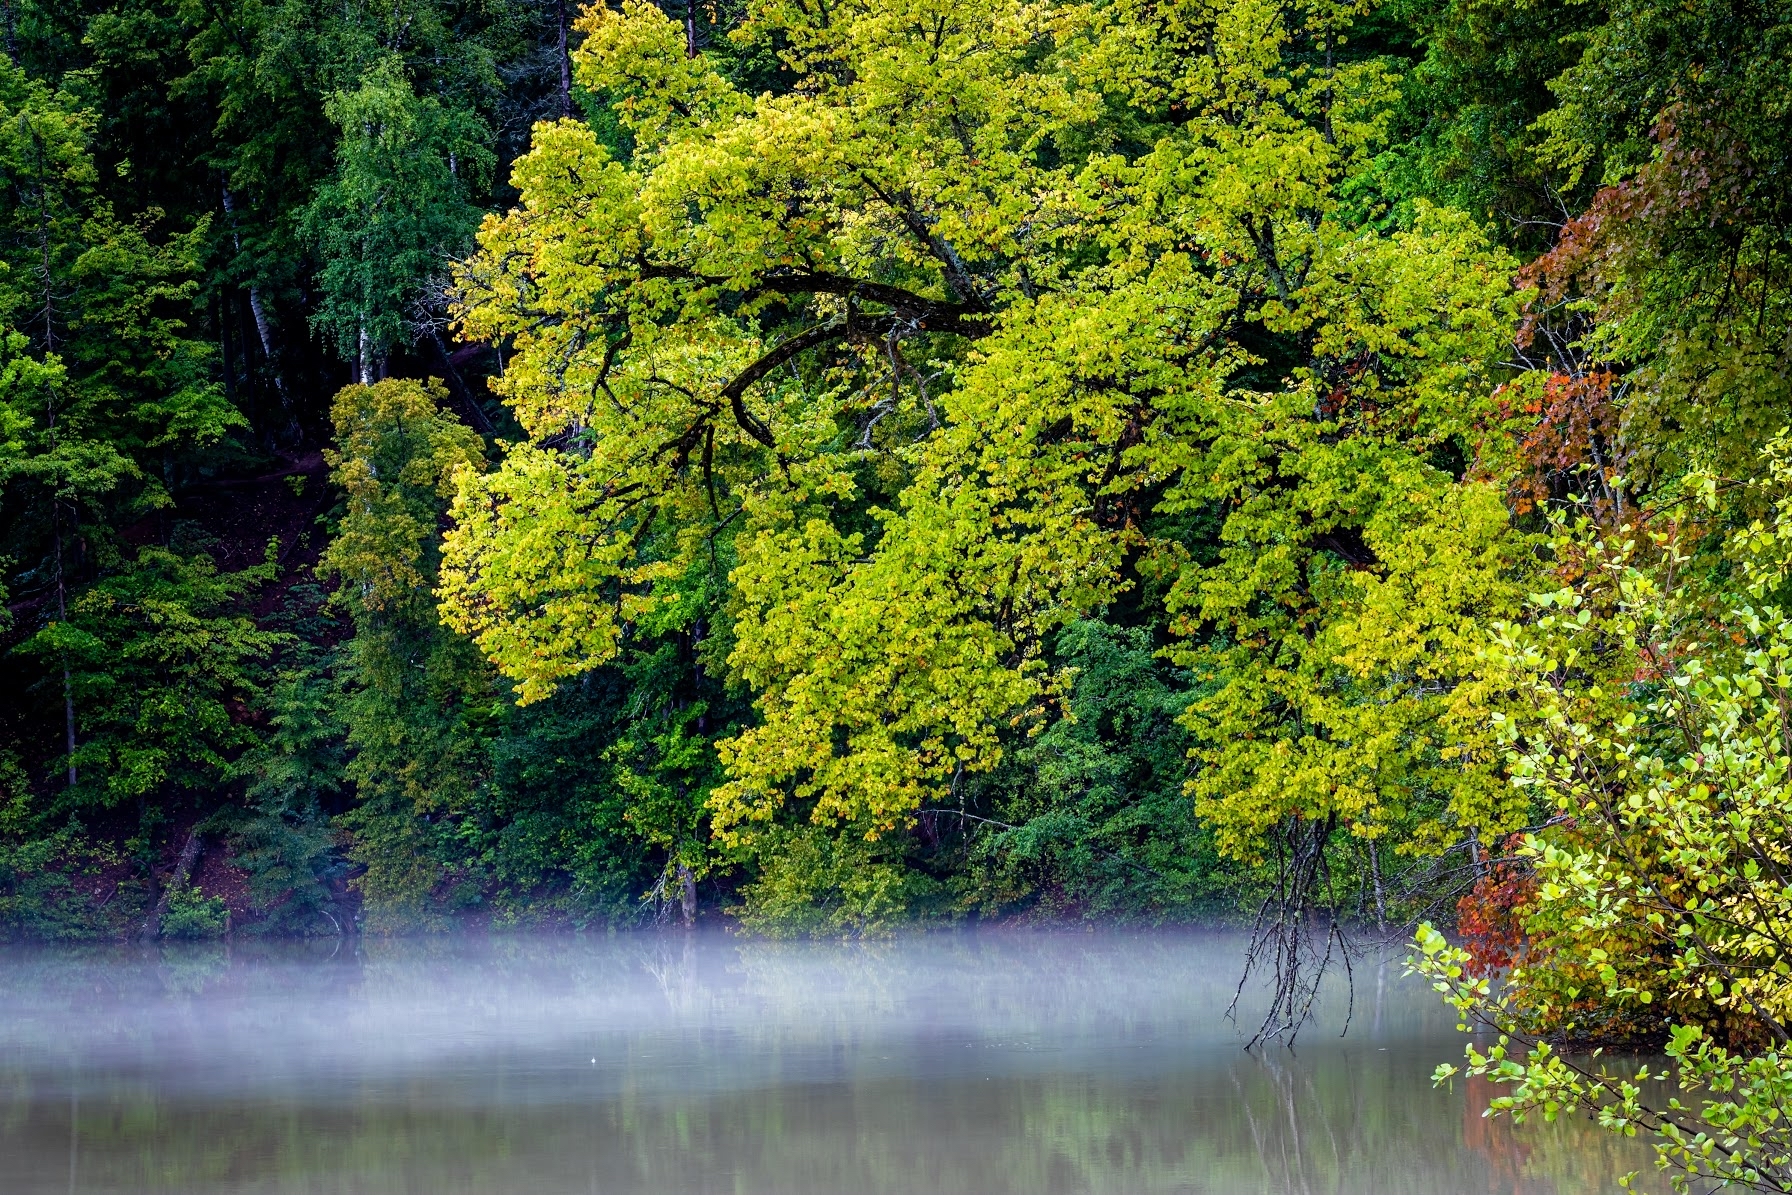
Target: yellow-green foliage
[[395, 458], [415, 695], [943, 357], [808, 882]]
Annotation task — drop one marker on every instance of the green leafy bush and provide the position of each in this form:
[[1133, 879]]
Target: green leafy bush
[[192, 914]]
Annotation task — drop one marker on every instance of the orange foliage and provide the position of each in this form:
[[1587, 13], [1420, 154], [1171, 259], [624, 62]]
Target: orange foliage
[[1571, 436], [1576, 426], [1490, 917], [1699, 169]]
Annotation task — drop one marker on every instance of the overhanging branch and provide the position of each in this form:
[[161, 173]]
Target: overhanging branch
[[735, 392]]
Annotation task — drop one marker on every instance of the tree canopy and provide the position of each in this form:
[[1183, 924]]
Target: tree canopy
[[949, 345]]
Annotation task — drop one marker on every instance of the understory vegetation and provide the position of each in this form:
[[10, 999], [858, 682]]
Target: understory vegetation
[[824, 467]]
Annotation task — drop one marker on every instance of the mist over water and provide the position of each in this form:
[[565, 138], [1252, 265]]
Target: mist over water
[[976, 1063]]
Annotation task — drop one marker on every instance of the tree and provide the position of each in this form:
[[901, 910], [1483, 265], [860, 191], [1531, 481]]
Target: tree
[[1658, 901], [164, 663], [1089, 817], [398, 210], [1668, 298], [577, 807], [414, 698], [111, 394], [947, 342]]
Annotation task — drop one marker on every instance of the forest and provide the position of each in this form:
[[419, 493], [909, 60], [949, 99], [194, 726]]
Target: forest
[[818, 467]]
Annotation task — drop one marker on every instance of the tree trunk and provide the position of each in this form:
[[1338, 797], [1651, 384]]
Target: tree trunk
[[183, 870], [262, 331], [457, 385], [565, 60], [265, 334], [687, 895]]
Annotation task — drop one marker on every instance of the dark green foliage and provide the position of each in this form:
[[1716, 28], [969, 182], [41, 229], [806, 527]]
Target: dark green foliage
[[62, 885], [398, 209], [1090, 819], [192, 914], [161, 658], [1481, 80], [291, 777]]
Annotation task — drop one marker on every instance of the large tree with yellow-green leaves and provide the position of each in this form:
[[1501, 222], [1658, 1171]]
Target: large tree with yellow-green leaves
[[950, 344]]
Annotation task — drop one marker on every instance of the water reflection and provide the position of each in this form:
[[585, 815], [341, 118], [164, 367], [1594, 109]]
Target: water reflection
[[979, 1063]]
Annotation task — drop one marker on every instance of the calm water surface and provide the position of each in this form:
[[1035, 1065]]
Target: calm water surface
[[986, 1064]]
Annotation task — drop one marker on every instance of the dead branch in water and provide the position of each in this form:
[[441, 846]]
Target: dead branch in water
[[1285, 939]]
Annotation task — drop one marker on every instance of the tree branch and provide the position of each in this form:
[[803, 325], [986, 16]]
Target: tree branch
[[735, 391]]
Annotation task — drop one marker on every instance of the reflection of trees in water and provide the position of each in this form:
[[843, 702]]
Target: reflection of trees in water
[[1025, 1065], [1280, 1140], [1494, 1138], [1356, 1123], [672, 962], [1266, 1125]]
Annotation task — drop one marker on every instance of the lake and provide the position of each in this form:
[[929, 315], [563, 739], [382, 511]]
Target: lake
[[983, 1063]]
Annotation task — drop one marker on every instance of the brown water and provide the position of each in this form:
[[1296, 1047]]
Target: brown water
[[987, 1064]]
